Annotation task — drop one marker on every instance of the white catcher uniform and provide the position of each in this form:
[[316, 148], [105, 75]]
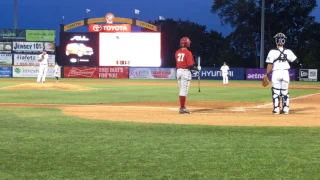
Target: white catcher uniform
[[43, 67], [224, 72], [280, 59]]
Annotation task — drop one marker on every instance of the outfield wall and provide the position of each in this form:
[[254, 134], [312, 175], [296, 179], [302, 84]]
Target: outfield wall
[[206, 73]]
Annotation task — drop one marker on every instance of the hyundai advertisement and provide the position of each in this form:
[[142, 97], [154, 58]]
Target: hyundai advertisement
[[79, 49]]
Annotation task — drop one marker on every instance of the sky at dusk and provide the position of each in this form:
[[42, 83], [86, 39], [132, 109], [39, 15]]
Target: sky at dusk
[[40, 14]]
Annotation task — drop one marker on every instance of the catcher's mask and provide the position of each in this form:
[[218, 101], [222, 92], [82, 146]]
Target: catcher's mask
[[280, 39]]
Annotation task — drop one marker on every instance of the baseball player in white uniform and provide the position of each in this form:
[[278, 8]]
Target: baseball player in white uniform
[[225, 72], [56, 72], [278, 63], [43, 67]]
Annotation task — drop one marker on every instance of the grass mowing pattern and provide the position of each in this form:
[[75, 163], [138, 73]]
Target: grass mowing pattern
[[44, 144], [130, 93]]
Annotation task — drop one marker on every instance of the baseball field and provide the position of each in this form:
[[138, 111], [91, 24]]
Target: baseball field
[[131, 129]]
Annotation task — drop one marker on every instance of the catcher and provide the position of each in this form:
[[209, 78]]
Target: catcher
[[278, 64], [225, 71]]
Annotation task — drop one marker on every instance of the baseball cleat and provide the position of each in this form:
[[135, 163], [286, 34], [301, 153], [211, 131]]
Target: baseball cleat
[[275, 112], [285, 112], [184, 111]]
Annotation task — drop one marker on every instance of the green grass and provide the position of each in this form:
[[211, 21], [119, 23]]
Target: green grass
[[113, 93], [43, 143]]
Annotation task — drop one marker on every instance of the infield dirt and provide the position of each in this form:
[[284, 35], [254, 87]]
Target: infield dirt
[[304, 110]]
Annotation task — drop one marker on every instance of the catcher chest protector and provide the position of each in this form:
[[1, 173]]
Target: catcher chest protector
[[282, 57]]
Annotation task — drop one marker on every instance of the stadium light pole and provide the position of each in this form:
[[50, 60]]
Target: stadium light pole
[[15, 14], [262, 34]]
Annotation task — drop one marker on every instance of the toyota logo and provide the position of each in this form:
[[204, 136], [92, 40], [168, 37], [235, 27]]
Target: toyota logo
[[97, 28]]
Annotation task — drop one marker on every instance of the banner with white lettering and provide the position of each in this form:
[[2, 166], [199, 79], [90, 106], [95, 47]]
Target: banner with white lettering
[[215, 74], [308, 74], [5, 72], [96, 72], [33, 47], [30, 71], [31, 60], [258, 74]]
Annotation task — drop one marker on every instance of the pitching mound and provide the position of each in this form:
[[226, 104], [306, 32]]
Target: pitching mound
[[48, 86]]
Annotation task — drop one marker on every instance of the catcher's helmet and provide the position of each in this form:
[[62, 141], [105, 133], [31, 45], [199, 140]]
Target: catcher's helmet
[[280, 39], [185, 42]]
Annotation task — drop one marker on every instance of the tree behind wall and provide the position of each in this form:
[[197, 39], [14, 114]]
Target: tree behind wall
[[291, 17]]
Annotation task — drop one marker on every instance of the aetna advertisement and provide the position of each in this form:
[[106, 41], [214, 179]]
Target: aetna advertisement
[[258, 74], [79, 49]]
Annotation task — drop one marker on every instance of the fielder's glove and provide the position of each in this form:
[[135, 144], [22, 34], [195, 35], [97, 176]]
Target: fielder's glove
[[265, 81]]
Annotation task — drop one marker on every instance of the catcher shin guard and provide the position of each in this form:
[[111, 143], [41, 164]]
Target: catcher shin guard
[[285, 100], [276, 99]]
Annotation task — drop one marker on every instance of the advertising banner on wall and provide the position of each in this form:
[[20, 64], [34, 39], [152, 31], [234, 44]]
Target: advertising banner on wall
[[31, 59], [215, 74], [30, 71], [308, 74], [41, 35], [12, 35], [33, 47], [5, 59], [109, 27], [152, 73], [5, 72], [258, 74], [5, 47], [79, 49], [96, 72]]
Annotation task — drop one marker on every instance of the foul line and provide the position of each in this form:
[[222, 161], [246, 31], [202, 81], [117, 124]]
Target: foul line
[[291, 99], [235, 109], [243, 109]]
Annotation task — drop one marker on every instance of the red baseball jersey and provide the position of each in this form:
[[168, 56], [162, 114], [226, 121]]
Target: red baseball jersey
[[184, 58]]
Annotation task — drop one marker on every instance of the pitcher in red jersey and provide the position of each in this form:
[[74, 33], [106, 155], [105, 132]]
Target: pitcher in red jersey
[[184, 63]]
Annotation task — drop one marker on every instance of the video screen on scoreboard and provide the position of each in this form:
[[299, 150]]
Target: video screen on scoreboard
[[79, 49], [130, 49]]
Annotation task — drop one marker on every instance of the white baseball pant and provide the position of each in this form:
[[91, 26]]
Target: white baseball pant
[[225, 78], [280, 87], [184, 76], [42, 73]]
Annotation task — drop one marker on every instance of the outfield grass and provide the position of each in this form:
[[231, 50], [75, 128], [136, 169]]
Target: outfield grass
[[43, 143]]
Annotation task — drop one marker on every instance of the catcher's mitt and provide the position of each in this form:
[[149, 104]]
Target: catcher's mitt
[[265, 81]]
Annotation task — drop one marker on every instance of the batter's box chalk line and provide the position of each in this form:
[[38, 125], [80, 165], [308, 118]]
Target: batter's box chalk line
[[244, 109], [198, 110], [291, 99]]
